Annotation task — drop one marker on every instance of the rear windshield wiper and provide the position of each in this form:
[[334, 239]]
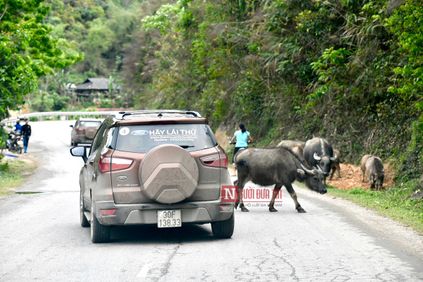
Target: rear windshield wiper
[[186, 146]]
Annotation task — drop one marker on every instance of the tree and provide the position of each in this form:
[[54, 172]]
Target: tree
[[27, 50]]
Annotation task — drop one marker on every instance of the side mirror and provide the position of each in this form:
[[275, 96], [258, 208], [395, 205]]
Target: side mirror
[[79, 152]]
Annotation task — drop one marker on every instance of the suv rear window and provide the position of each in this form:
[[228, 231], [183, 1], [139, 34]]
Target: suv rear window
[[90, 123], [142, 138]]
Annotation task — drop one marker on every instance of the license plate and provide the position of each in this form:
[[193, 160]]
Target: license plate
[[169, 219]]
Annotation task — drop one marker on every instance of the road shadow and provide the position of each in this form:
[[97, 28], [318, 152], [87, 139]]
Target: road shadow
[[152, 234]]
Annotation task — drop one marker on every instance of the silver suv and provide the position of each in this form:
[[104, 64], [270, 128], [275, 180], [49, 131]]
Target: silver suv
[[154, 167]]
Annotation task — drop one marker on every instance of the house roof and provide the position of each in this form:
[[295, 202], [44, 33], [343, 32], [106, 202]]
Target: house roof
[[97, 83]]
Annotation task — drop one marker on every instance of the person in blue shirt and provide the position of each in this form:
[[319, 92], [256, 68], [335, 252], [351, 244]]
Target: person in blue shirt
[[241, 139], [18, 127]]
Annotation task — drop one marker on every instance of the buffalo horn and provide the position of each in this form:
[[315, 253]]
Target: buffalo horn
[[316, 157], [308, 171], [301, 172]]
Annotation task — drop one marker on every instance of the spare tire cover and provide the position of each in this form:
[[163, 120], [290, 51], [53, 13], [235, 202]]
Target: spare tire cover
[[168, 174]]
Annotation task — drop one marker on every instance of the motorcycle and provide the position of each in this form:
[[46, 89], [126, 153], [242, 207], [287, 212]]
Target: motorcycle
[[14, 142]]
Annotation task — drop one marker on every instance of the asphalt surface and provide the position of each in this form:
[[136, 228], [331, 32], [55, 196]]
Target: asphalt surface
[[41, 239]]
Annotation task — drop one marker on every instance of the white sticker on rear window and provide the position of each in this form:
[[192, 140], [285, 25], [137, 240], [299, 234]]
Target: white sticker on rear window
[[124, 131], [173, 134], [140, 132]]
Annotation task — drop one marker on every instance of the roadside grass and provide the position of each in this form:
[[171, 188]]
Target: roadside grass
[[12, 174], [394, 203]]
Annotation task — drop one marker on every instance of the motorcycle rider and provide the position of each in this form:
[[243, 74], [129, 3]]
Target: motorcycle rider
[[241, 139], [18, 127]]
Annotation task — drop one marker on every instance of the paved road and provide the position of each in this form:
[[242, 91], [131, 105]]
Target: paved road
[[40, 237]]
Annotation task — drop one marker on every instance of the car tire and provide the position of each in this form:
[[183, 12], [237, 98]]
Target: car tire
[[224, 229], [99, 233], [82, 218]]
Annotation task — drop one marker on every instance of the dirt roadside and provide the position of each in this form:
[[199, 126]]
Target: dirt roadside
[[19, 169], [351, 177]]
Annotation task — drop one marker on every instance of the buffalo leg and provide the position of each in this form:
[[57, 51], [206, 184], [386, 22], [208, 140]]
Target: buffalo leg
[[239, 200], [293, 195], [243, 177], [372, 181], [237, 194], [272, 201], [335, 168], [241, 205], [332, 173]]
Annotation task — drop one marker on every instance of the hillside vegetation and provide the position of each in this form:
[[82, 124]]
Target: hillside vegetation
[[350, 71]]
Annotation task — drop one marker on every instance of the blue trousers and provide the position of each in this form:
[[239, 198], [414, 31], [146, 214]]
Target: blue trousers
[[25, 141]]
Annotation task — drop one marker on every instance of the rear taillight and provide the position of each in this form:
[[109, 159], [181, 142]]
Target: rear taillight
[[106, 164], [108, 212], [217, 160]]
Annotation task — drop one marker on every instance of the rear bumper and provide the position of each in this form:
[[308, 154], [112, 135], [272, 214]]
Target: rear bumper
[[192, 212]]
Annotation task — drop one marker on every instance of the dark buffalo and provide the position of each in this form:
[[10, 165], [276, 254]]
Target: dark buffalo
[[297, 147], [336, 167], [372, 166], [279, 167], [318, 153]]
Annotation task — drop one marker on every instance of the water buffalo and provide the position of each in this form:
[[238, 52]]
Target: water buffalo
[[278, 166], [372, 166], [296, 146], [336, 167], [318, 153]]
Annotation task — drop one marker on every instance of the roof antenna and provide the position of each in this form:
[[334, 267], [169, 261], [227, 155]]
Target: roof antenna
[[160, 115]]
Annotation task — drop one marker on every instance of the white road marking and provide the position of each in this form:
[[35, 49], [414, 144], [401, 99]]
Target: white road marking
[[142, 274]]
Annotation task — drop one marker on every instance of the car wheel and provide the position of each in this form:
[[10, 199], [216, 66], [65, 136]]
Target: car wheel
[[223, 229], [99, 233], [82, 218]]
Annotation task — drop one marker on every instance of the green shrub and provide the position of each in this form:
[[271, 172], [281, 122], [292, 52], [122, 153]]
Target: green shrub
[[4, 166], [410, 165], [3, 138]]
